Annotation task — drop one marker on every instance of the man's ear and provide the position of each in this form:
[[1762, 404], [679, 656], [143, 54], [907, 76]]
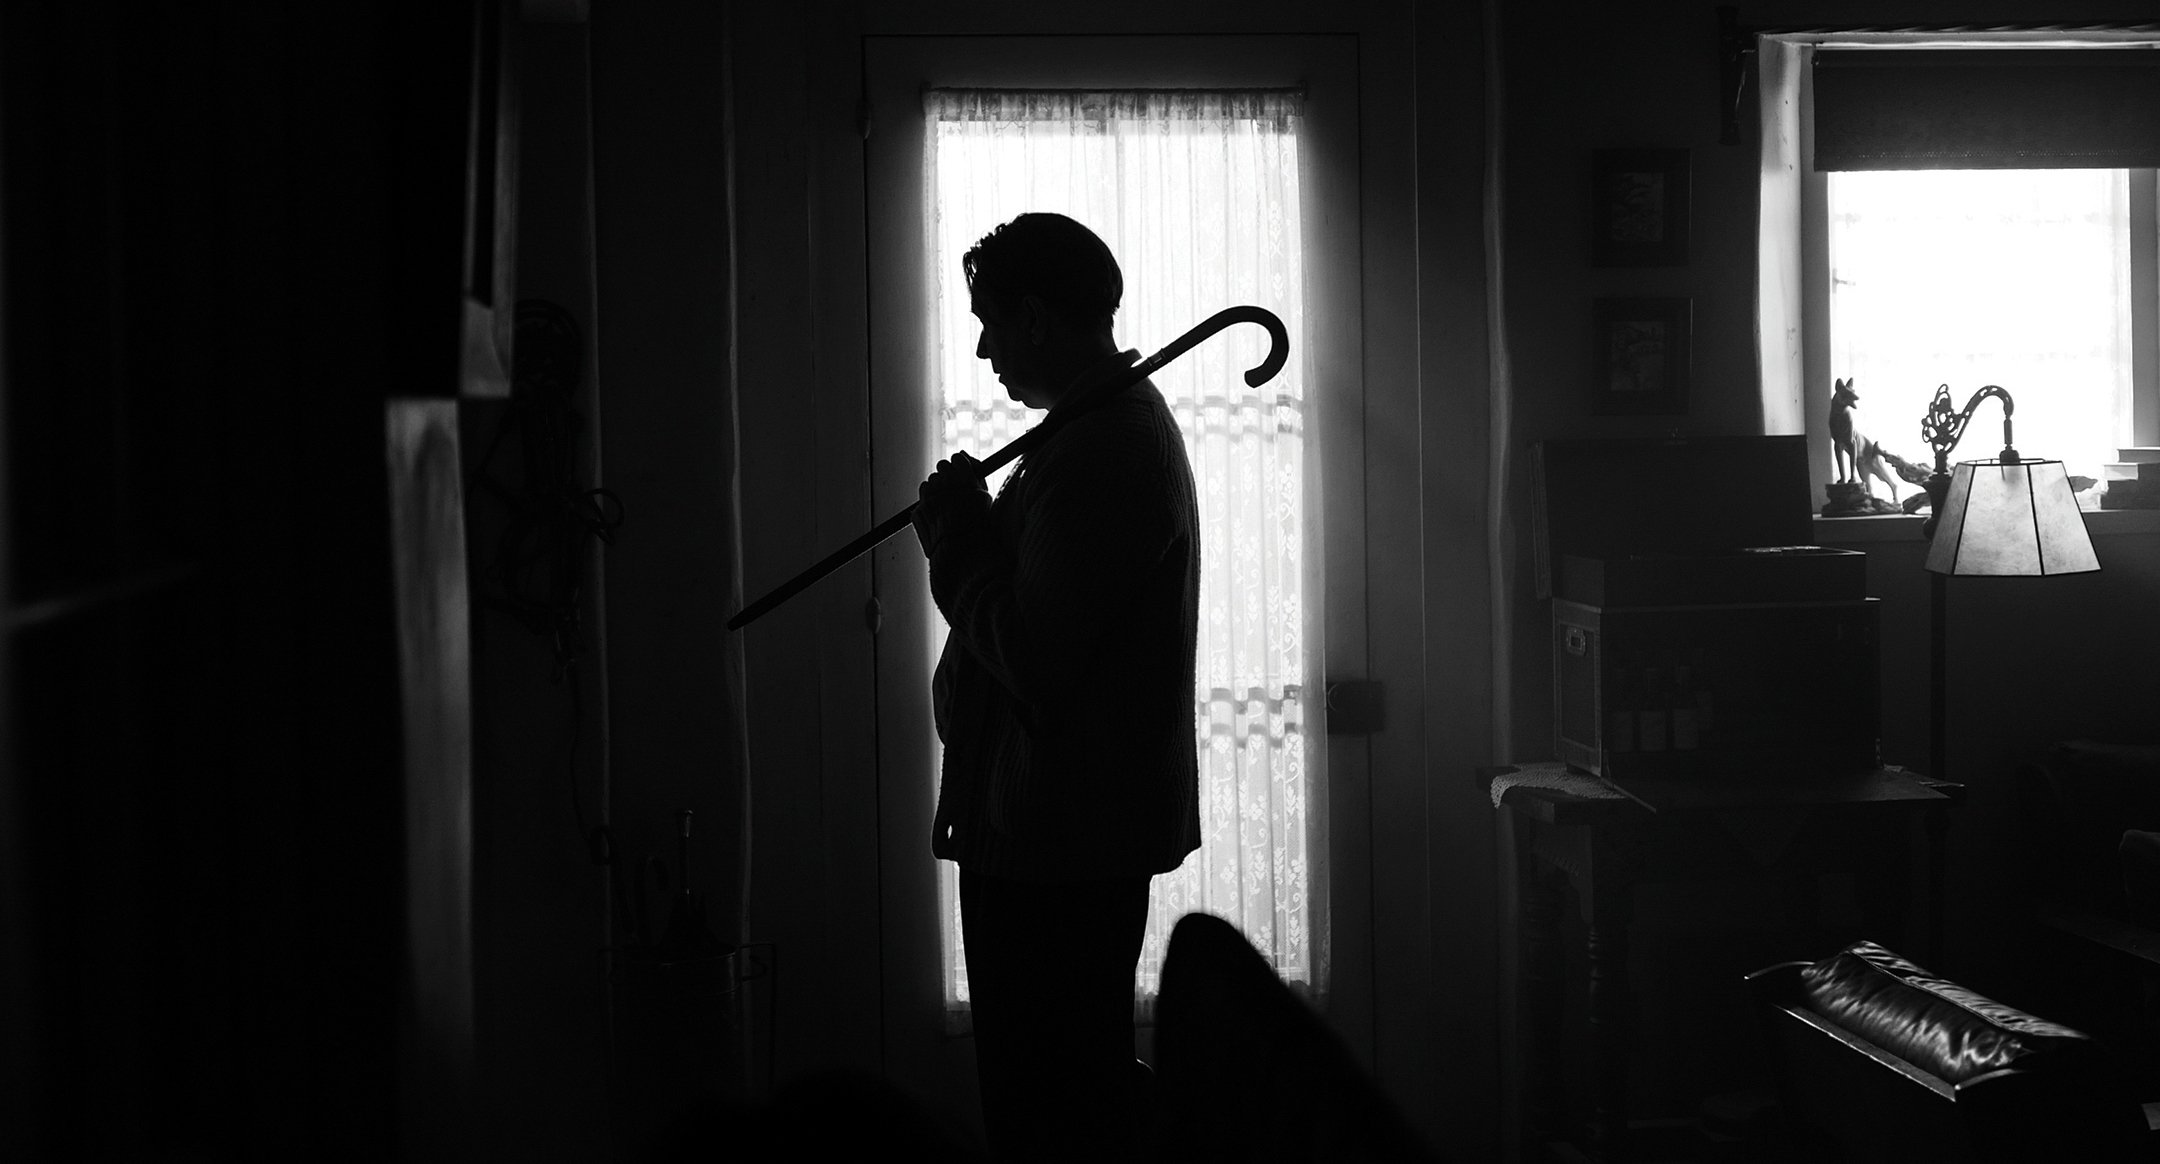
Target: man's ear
[[1038, 319]]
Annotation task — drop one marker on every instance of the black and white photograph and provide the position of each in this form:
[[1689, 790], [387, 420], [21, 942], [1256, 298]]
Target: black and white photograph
[[1642, 356], [1639, 212], [1040, 583]]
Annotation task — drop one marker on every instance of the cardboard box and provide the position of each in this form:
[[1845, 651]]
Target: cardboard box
[[1695, 632], [1734, 693]]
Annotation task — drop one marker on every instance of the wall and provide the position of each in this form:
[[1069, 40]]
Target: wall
[[540, 738], [1625, 75], [667, 341]]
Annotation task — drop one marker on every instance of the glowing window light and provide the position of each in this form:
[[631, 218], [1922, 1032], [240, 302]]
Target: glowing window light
[[1971, 277]]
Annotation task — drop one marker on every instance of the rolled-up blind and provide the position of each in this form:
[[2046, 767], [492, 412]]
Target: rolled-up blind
[[1987, 109]]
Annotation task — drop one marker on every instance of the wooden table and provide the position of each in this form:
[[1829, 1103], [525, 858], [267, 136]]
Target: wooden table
[[1564, 831]]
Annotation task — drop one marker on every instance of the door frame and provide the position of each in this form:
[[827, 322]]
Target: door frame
[[916, 1053]]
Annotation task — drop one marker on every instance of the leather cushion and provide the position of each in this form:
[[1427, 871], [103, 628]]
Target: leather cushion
[[1936, 1025]]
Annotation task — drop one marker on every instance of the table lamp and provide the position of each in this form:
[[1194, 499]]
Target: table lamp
[[2009, 517]]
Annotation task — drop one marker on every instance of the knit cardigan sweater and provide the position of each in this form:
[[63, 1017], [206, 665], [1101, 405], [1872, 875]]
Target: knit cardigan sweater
[[1064, 695]]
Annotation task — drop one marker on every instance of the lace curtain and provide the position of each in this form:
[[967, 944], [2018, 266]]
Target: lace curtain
[[1196, 193]]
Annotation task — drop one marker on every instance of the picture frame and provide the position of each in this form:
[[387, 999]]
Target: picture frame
[[1639, 208], [1643, 349]]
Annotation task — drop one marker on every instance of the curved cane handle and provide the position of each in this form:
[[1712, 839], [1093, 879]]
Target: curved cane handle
[[1278, 342], [1088, 397]]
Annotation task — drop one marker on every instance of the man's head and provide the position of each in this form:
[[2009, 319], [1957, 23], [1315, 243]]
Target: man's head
[[1046, 290], [1052, 258]]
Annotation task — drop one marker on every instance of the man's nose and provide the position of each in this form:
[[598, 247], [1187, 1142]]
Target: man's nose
[[982, 345]]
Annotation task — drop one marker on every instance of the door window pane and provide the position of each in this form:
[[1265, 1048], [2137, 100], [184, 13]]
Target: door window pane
[[1197, 194]]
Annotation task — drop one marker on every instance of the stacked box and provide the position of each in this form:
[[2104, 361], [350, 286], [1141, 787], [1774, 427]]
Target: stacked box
[[2132, 482], [1733, 692], [1696, 636]]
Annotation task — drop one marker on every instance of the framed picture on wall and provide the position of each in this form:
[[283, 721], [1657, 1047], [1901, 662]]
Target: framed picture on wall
[[1641, 362], [1639, 208]]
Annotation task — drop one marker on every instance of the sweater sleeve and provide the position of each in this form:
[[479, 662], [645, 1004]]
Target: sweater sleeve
[[1097, 518]]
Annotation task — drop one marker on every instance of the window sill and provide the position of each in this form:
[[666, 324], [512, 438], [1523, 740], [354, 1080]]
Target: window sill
[[1906, 528]]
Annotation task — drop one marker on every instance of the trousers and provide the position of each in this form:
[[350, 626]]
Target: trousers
[[1050, 988]]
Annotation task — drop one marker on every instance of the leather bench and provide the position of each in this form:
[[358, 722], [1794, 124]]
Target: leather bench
[[1877, 1059]]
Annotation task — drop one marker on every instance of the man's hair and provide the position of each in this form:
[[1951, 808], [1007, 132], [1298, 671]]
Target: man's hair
[[1052, 257]]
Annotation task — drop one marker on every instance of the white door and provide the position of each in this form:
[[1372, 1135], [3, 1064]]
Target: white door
[[1281, 469]]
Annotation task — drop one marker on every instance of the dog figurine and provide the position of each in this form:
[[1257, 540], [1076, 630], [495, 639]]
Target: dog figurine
[[1860, 456]]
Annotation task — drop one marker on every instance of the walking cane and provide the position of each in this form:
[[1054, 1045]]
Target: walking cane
[[1278, 352]]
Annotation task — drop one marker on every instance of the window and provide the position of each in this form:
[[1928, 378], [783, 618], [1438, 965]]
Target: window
[[1197, 193], [1962, 209], [1970, 277]]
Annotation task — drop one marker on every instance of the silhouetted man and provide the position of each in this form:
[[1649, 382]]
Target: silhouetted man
[[1064, 696]]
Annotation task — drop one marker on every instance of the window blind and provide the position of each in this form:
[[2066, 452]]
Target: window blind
[[1987, 109]]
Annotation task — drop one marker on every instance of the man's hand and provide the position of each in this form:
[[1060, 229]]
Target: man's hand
[[952, 497]]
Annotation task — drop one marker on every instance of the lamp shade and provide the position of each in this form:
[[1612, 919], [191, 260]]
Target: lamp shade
[[2010, 518]]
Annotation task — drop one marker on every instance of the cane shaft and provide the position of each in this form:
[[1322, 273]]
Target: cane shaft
[[825, 565], [1278, 352]]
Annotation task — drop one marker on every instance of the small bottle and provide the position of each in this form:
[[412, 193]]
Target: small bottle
[[1650, 719], [1620, 712], [1705, 705], [1685, 722]]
